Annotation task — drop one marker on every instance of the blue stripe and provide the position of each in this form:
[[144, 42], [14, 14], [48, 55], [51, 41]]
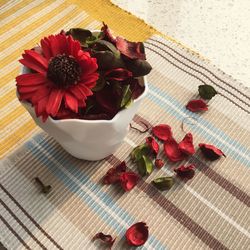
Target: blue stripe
[[84, 178], [228, 150]]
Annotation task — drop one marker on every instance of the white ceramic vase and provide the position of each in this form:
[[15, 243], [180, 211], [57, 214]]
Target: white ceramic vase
[[89, 139]]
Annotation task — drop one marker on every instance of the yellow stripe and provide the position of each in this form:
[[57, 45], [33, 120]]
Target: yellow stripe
[[7, 98], [13, 9], [20, 134], [22, 18], [51, 29]]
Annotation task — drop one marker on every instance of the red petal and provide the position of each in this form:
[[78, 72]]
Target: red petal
[[172, 150], [30, 79], [45, 44], [137, 234], [84, 89], [107, 34], [71, 102], [54, 102], [32, 65], [162, 132], [40, 108], [159, 163], [78, 92], [38, 58], [118, 74], [128, 180], [40, 94], [90, 80], [132, 50], [185, 171], [112, 176], [88, 65], [105, 238], [73, 46], [197, 105], [210, 152], [153, 145], [186, 145]]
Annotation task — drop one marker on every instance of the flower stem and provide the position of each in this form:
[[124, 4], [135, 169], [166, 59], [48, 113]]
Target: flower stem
[[45, 189]]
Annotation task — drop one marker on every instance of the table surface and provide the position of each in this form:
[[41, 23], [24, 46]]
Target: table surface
[[218, 30]]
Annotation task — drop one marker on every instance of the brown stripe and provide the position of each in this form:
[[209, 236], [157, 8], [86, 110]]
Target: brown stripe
[[14, 232], [196, 78], [201, 66], [196, 70], [31, 218], [22, 225], [174, 211], [210, 173]]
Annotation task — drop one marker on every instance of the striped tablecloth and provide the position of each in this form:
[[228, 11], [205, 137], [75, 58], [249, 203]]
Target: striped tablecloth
[[211, 211]]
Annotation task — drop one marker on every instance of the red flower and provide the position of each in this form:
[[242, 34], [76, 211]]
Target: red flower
[[62, 76], [132, 50], [105, 238], [172, 151], [186, 145], [210, 152], [159, 163], [185, 171], [197, 105], [162, 132], [113, 174], [137, 234], [153, 145], [128, 180]]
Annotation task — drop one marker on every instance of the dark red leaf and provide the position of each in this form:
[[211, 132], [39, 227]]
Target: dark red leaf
[[186, 145], [133, 50], [197, 105], [210, 152], [172, 151], [113, 174], [119, 74], [136, 88], [159, 163], [128, 180], [185, 172], [105, 238], [153, 145], [137, 234], [107, 35], [162, 132]]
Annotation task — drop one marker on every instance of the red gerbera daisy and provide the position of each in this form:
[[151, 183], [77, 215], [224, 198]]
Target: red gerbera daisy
[[62, 76]]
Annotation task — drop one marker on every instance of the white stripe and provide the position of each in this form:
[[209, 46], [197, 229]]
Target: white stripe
[[8, 5], [202, 199], [30, 20], [92, 25], [7, 88], [208, 131], [8, 51], [20, 12]]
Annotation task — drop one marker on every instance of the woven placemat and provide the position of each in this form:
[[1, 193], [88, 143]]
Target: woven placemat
[[211, 211]]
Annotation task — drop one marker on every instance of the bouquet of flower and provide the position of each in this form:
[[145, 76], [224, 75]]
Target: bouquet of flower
[[82, 74]]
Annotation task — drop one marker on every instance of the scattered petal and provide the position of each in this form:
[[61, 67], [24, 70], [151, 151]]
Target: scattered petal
[[105, 238], [145, 165], [107, 34], [185, 172], [163, 183], [211, 152], [153, 145], [128, 180], [137, 234], [162, 132], [112, 176], [186, 145], [159, 163], [139, 151], [172, 151], [197, 105]]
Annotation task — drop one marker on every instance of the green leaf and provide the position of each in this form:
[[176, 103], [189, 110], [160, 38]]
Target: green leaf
[[139, 151], [138, 67], [163, 183], [126, 96], [94, 38], [100, 84], [104, 45], [207, 92], [145, 165], [80, 34]]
